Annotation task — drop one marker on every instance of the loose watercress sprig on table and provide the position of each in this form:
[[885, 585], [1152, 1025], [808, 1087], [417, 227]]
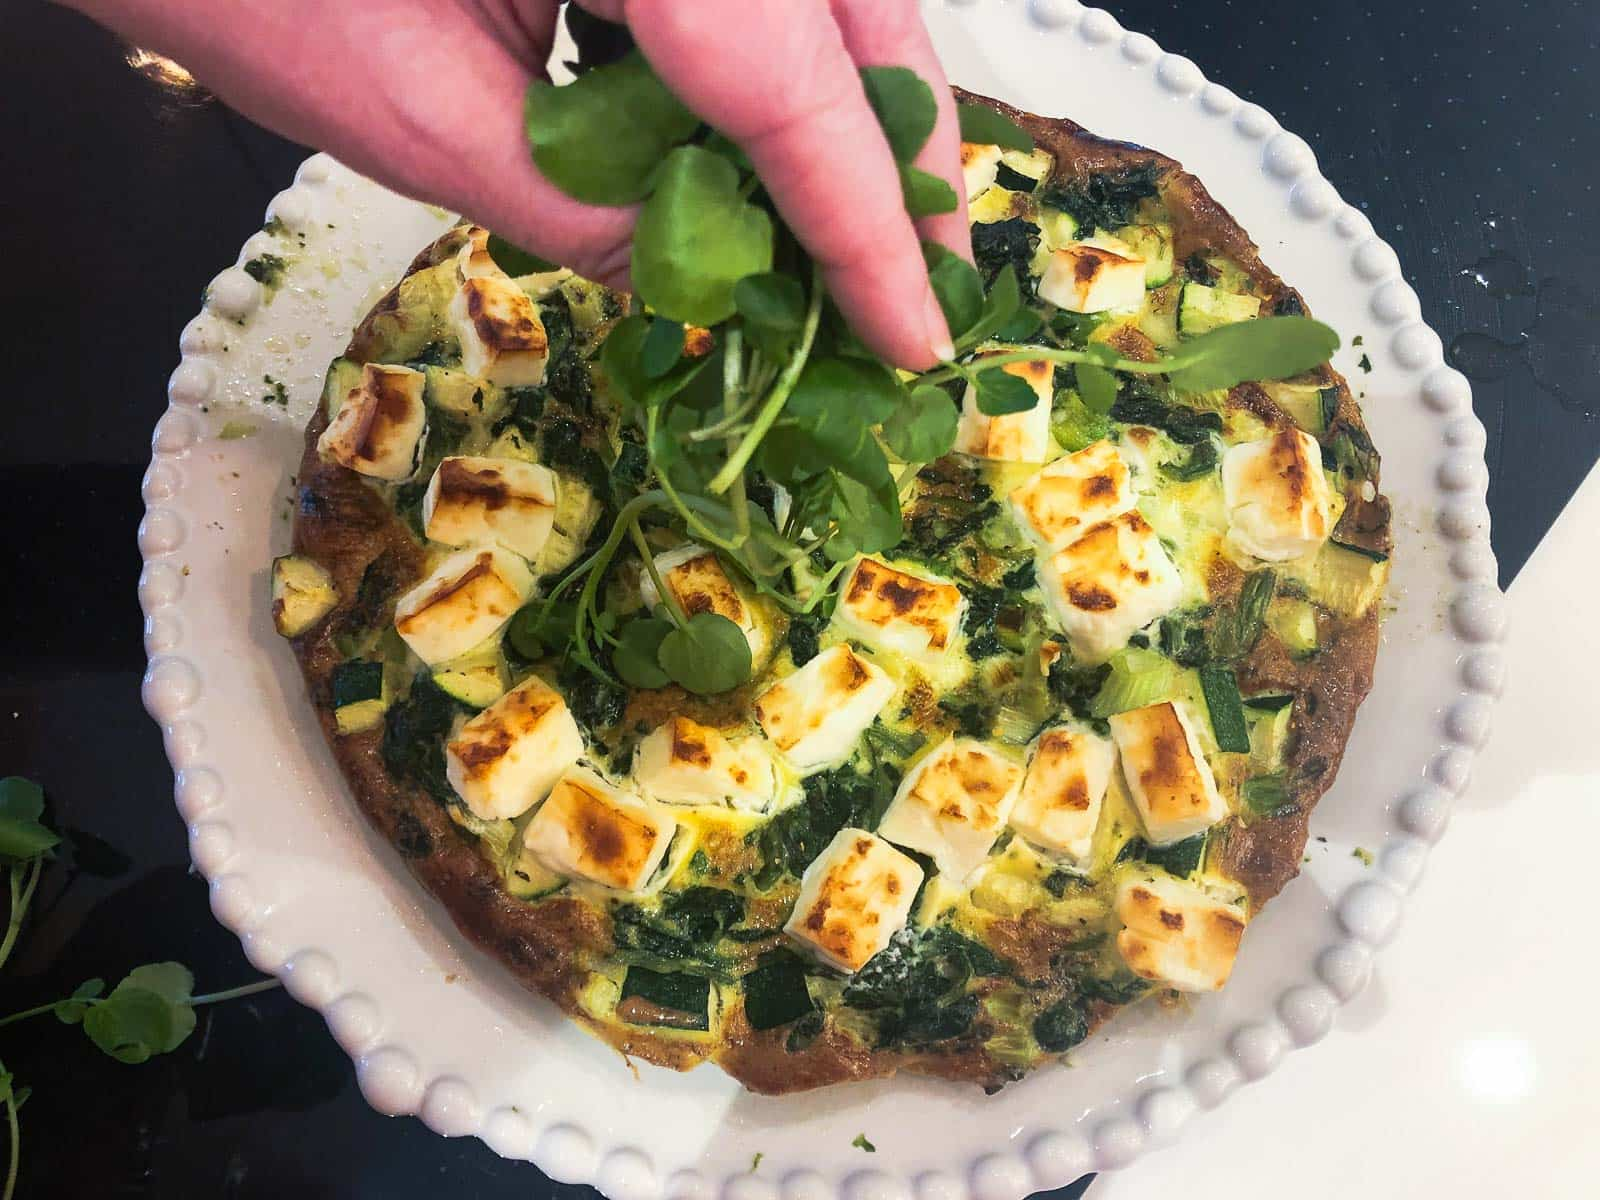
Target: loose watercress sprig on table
[[787, 396], [150, 1012]]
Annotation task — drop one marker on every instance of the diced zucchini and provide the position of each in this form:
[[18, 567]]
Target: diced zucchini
[[995, 204], [678, 1001], [1056, 228], [462, 396], [1266, 795], [418, 318], [359, 696], [529, 879], [1269, 734], [1153, 243], [1295, 624], [1346, 581], [1033, 165], [343, 378], [1202, 309], [1306, 403], [1221, 690], [775, 992], [302, 594], [577, 510], [589, 303], [513, 443], [477, 678]]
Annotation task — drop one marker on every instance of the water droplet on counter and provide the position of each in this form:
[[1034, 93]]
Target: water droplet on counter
[[1557, 349], [1500, 275], [1483, 358]]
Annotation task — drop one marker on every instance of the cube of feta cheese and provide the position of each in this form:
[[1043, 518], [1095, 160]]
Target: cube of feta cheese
[[1074, 494], [854, 897], [1176, 933], [953, 804], [473, 260], [1062, 793], [891, 609], [1166, 772], [1016, 437], [684, 762], [1111, 582], [699, 584], [508, 757], [466, 600], [815, 715], [1085, 277], [588, 829], [979, 167], [1277, 496], [475, 501], [502, 338], [379, 426]]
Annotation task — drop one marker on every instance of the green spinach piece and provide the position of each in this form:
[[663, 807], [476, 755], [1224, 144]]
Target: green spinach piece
[[999, 244], [414, 730], [916, 985], [775, 992], [1061, 1026], [1104, 199]]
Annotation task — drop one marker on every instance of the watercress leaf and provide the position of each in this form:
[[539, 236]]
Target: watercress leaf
[[904, 105], [621, 360], [1020, 326], [70, 1011], [868, 514], [635, 658], [514, 260], [662, 348], [541, 628], [985, 127], [1001, 303], [147, 1013], [771, 300], [707, 656], [600, 138], [724, 146], [923, 427], [827, 385], [696, 238], [957, 284], [1265, 348], [925, 195], [1000, 392], [598, 41], [1097, 387], [22, 836], [1101, 353]]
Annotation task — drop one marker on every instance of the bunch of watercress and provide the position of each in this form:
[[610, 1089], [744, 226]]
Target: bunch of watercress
[[150, 1012], [787, 396]]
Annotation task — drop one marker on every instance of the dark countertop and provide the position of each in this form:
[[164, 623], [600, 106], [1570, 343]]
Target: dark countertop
[[1464, 130]]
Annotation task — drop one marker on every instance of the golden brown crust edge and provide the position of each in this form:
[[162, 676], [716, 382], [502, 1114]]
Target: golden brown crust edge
[[344, 525]]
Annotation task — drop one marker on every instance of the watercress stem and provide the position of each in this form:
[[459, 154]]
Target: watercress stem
[[244, 989], [732, 381], [728, 424], [595, 565], [740, 458], [679, 617], [1004, 355], [16, 1141], [21, 897]]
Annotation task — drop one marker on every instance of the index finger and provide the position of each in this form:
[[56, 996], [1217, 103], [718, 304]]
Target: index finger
[[777, 78]]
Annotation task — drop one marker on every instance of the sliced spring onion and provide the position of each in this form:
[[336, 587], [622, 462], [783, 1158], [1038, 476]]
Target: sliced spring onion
[[1236, 632], [1138, 678], [1221, 691]]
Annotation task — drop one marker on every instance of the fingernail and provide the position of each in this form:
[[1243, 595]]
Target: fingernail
[[938, 332]]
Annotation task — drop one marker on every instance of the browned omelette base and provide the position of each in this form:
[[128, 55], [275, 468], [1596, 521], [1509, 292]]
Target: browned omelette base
[[344, 525]]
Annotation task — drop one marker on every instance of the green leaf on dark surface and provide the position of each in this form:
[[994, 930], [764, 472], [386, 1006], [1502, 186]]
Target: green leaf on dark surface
[[514, 260], [697, 237], [707, 656], [1000, 392], [662, 348], [923, 427], [601, 138], [637, 656], [1264, 348], [904, 105], [1097, 387], [70, 1011], [957, 285], [925, 194], [22, 836], [148, 1013], [985, 127]]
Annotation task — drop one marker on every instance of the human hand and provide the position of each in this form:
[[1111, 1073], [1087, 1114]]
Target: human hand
[[426, 96]]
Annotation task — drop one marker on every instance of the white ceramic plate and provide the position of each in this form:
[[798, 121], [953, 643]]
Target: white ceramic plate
[[439, 1030]]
